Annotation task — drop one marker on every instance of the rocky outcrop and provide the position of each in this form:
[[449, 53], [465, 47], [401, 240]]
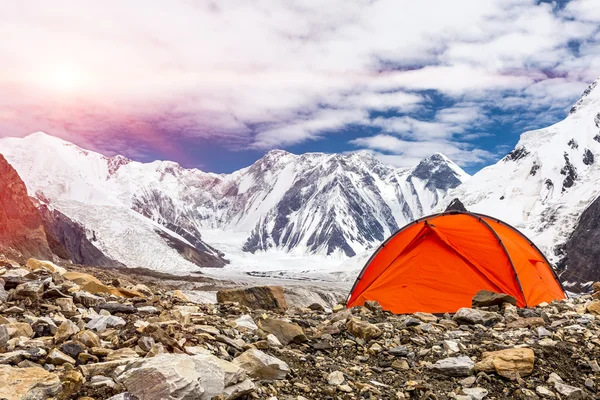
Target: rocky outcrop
[[580, 253], [21, 226], [456, 205]]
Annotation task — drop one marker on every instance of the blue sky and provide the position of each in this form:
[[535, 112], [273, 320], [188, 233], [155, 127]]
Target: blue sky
[[215, 85]]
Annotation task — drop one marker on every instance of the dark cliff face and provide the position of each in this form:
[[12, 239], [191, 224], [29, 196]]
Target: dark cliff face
[[72, 237], [581, 253], [21, 226]]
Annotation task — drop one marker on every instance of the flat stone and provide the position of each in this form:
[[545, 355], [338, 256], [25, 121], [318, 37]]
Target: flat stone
[[570, 392], [285, 331], [257, 297], [454, 366], [261, 365], [102, 322]]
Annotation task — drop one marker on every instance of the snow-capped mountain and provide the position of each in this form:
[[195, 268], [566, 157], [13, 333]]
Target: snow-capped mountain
[[152, 214], [81, 185], [544, 185]]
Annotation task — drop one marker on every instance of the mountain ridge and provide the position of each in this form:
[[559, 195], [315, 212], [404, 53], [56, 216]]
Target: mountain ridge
[[268, 200]]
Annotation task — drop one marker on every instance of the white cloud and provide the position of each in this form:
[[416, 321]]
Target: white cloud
[[268, 73]]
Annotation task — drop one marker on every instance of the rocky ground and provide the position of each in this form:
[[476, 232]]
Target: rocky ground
[[99, 334]]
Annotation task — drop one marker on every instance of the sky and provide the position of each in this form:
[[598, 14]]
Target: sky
[[216, 84]]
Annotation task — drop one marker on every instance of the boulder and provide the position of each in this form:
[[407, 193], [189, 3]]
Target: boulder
[[486, 298], [454, 366], [179, 377], [509, 363], [286, 332], [363, 329], [256, 297], [473, 317], [262, 366], [31, 383]]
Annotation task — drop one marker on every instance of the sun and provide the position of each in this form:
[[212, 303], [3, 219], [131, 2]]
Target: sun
[[65, 78]]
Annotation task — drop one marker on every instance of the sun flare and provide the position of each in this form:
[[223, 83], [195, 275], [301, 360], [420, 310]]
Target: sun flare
[[65, 78]]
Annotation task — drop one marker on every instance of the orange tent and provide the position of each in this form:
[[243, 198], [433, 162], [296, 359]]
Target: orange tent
[[436, 264]]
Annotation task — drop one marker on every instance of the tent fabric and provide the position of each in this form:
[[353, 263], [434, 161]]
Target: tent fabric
[[438, 263]]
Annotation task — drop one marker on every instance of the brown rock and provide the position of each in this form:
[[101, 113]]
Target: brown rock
[[531, 322], [88, 338], [17, 329], [34, 264], [27, 383], [596, 286], [486, 298], [65, 331], [594, 307], [363, 329], [509, 363], [286, 332], [97, 288], [71, 380], [80, 278], [257, 297]]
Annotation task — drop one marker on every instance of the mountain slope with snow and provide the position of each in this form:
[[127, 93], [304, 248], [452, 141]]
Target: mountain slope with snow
[[544, 185], [152, 214]]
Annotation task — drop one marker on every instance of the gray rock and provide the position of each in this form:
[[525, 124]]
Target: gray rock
[[454, 366], [145, 343], [476, 393], [32, 290], [474, 317], [100, 323], [87, 299], [569, 392], [246, 321]]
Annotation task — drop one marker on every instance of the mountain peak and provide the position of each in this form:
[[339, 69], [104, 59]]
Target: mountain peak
[[440, 170], [589, 97]]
